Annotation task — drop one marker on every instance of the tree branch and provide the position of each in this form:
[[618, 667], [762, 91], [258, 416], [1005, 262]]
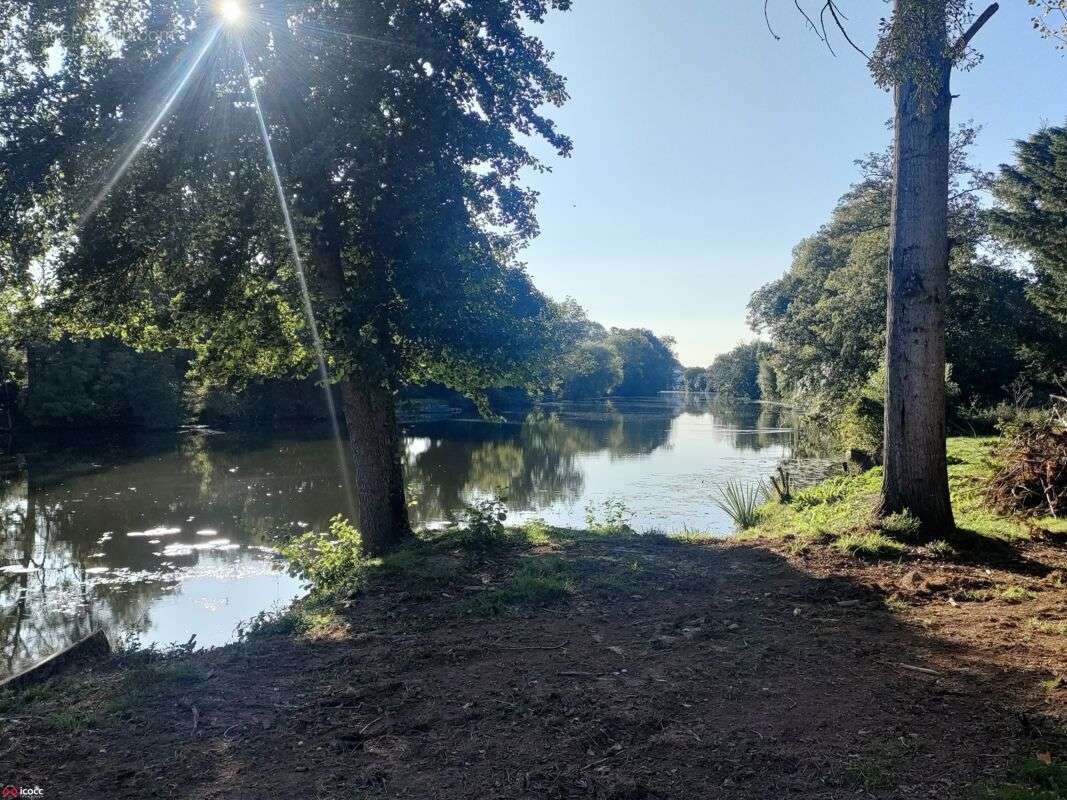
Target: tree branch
[[965, 40], [844, 32], [767, 19]]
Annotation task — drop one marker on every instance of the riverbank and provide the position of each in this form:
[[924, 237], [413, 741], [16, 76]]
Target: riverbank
[[564, 664]]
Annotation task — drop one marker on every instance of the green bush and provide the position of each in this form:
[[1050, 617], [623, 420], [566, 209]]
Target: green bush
[[612, 517], [332, 562], [482, 530]]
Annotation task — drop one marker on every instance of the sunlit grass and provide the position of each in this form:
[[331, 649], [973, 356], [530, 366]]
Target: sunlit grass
[[841, 510]]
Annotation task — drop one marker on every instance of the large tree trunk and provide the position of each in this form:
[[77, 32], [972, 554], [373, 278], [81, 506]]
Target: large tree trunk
[[382, 512], [369, 409], [916, 473]]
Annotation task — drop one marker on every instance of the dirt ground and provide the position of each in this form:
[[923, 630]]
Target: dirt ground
[[675, 669]]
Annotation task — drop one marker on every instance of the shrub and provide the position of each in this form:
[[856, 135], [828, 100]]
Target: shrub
[[1031, 465], [482, 530], [741, 502], [612, 518], [903, 525], [333, 562]]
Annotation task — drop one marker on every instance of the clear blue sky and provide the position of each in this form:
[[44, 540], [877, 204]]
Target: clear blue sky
[[704, 149]]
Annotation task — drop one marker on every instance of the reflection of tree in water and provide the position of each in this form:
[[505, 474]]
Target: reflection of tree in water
[[50, 572], [532, 463], [756, 426], [54, 526]]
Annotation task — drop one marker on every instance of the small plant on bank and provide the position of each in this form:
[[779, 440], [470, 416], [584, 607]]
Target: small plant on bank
[[741, 502], [869, 544], [332, 562], [901, 525], [939, 548], [481, 530], [782, 484], [612, 517]]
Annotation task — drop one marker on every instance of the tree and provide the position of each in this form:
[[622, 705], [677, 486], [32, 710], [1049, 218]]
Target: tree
[[592, 369], [399, 135], [826, 315], [736, 373], [916, 52], [1032, 214], [649, 365], [695, 380], [103, 383]]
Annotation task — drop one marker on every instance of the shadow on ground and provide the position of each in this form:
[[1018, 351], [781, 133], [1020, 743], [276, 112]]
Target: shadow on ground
[[654, 668]]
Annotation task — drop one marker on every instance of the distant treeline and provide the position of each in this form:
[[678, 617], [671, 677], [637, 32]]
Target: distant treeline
[[1006, 316], [72, 383]]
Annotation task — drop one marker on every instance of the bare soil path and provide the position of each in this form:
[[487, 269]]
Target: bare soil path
[[674, 669]]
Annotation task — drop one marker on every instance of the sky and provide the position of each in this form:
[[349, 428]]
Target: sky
[[705, 150]]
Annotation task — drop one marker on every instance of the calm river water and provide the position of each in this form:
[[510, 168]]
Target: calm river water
[[164, 537]]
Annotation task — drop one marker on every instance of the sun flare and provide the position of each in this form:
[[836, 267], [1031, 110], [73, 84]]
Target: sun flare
[[231, 11]]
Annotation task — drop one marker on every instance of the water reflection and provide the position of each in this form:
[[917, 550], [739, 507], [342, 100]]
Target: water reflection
[[206, 508]]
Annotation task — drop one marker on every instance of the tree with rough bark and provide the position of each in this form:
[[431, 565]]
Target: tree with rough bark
[[918, 47], [134, 178]]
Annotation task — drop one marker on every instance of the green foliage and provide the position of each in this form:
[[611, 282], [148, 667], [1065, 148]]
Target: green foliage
[[649, 365], [833, 509], [826, 316], [536, 584], [417, 283], [868, 544], [260, 402], [695, 380], [482, 528], [1033, 779], [103, 383], [333, 562], [901, 525], [736, 373], [767, 380], [611, 517], [592, 369], [1032, 197], [741, 502]]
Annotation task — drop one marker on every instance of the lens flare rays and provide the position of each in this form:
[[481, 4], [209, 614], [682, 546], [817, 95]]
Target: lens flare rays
[[298, 263], [151, 128]]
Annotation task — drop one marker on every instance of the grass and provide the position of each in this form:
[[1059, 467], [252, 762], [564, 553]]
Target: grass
[[1033, 779], [879, 765], [841, 510], [868, 544], [539, 584], [1011, 594], [1048, 626], [13, 702]]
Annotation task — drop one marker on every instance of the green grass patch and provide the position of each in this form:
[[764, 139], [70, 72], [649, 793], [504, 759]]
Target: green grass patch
[[868, 544], [879, 765], [1006, 594], [1033, 779], [12, 702], [540, 583], [841, 509], [70, 720], [1049, 627]]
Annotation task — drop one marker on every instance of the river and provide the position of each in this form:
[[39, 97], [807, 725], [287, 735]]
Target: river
[[161, 537]]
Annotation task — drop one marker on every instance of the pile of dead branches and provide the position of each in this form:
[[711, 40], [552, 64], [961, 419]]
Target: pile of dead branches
[[1031, 476]]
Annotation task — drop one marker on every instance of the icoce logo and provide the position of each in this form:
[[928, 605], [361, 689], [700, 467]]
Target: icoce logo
[[9, 791]]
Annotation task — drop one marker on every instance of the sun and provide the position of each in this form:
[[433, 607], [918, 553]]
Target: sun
[[231, 11]]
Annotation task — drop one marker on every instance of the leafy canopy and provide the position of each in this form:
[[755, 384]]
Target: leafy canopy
[[1032, 213], [401, 129]]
